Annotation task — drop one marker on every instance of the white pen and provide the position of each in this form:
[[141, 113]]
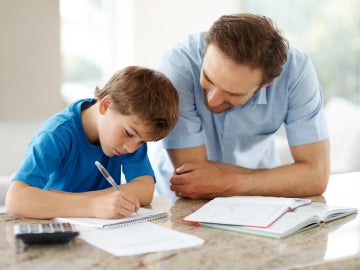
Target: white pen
[[107, 176]]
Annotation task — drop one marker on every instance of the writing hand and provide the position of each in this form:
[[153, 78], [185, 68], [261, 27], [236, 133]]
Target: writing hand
[[115, 204]]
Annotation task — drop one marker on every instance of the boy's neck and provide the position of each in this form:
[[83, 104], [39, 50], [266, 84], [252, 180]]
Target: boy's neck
[[89, 119]]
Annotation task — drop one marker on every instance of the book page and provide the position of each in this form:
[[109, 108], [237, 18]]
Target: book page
[[288, 224], [245, 210], [292, 222], [326, 213]]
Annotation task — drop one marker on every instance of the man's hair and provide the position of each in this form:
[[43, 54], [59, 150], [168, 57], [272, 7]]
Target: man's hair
[[145, 93], [252, 40]]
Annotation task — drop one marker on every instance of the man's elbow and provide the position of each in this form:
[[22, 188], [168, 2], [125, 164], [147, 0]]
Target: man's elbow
[[322, 180]]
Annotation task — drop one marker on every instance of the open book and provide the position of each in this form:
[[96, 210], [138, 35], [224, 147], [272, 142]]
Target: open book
[[257, 211], [293, 222], [142, 215]]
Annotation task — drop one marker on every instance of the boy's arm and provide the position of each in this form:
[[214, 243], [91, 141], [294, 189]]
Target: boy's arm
[[142, 188], [27, 201]]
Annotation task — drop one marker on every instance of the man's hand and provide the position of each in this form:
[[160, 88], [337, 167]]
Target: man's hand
[[198, 180]]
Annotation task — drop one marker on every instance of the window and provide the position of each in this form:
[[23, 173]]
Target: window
[[83, 46], [96, 40], [329, 31], [100, 36]]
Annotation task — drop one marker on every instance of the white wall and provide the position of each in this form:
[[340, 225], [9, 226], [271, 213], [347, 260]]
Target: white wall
[[157, 24], [30, 59], [30, 73]]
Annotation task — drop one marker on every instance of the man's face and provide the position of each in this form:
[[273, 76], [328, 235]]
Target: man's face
[[225, 83]]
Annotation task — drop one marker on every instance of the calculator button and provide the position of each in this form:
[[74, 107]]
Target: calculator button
[[24, 228], [34, 228], [67, 227], [46, 228], [57, 227]]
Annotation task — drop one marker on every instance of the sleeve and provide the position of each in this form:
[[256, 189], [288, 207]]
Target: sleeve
[[305, 121], [184, 72], [45, 153], [137, 164]]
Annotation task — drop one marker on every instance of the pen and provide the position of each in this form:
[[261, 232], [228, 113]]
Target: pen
[[107, 176]]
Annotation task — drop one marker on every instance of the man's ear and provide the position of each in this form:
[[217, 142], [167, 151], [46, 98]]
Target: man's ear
[[104, 104], [267, 84]]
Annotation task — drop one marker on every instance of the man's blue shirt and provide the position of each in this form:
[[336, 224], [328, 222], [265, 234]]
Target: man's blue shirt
[[244, 135]]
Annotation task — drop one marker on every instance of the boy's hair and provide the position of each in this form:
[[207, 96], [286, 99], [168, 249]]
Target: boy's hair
[[251, 40], [145, 93]]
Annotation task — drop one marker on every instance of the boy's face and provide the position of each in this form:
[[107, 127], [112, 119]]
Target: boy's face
[[119, 134]]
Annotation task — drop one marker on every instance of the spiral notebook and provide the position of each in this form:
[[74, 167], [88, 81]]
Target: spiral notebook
[[142, 215]]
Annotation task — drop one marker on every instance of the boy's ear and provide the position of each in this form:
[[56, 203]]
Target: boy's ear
[[104, 104]]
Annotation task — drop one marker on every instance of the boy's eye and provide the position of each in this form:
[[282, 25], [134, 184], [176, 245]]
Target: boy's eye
[[128, 134]]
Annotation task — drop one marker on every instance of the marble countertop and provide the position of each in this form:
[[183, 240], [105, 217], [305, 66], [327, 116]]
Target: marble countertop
[[335, 245]]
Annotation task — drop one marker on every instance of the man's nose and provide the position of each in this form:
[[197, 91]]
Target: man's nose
[[215, 96]]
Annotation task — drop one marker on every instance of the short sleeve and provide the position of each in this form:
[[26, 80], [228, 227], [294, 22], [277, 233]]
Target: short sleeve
[[305, 121]]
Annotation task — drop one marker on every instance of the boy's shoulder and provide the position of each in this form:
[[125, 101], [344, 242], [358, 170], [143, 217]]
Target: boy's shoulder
[[69, 117]]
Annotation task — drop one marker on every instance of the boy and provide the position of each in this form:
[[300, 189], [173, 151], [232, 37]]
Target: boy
[[58, 177]]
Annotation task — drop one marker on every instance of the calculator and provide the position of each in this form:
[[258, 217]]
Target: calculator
[[45, 233]]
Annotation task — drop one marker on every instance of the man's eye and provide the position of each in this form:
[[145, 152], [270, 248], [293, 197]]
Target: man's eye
[[128, 134], [237, 95]]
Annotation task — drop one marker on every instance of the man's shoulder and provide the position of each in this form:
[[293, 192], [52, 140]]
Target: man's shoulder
[[192, 46], [195, 39], [184, 58], [296, 56], [297, 62]]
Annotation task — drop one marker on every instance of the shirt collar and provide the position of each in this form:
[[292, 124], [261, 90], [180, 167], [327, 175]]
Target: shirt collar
[[261, 98]]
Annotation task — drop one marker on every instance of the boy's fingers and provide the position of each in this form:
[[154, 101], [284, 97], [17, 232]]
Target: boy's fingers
[[129, 202]]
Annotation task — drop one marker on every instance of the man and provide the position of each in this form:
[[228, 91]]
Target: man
[[238, 84]]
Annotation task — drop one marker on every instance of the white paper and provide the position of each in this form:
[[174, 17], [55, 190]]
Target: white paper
[[137, 239]]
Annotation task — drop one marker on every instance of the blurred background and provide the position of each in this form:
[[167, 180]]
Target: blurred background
[[53, 52]]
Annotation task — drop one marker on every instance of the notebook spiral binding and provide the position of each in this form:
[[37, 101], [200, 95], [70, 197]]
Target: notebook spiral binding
[[136, 220]]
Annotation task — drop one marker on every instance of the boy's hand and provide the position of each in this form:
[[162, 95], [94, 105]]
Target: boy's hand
[[115, 204]]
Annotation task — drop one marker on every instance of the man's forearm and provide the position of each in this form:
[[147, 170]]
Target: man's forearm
[[294, 180], [230, 168]]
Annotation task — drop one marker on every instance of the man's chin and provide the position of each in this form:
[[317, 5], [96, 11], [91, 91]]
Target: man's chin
[[219, 109]]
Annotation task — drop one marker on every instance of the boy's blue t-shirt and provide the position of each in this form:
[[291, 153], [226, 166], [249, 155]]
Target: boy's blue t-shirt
[[60, 156]]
